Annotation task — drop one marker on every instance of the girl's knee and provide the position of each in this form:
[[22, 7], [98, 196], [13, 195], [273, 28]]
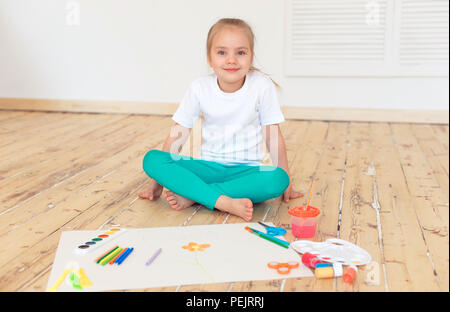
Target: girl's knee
[[278, 182], [283, 179], [151, 160]]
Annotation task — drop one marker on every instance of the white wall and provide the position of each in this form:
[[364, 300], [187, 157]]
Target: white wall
[[150, 50]]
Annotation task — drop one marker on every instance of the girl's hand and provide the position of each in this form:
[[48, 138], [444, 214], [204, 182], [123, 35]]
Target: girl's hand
[[291, 194], [154, 191]]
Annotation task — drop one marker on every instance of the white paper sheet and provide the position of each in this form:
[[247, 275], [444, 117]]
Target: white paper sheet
[[234, 255]]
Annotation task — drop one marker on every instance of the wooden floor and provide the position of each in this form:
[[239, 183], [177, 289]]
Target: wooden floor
[[382, 186]]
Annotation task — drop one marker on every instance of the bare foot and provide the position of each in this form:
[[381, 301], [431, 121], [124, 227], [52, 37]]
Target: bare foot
[[153, 192], [241, 207], [146, 195], [176, 201]]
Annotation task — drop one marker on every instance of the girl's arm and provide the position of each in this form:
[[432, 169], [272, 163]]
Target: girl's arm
[[175, 140], [276, 146], [277, 149]]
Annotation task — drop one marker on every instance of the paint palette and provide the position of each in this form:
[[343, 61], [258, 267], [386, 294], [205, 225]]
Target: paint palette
[[334, 250], [98, 241]]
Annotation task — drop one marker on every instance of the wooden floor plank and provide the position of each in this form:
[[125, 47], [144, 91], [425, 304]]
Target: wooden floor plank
[[429, 202], [405, 252], [44, 127], [55, 145], [7, 117], [86, 152], [442, 132], [436, 154], [12, 137], [359, 217]]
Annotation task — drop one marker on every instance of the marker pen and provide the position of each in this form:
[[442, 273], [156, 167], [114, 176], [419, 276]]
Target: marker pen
[[310, 260]]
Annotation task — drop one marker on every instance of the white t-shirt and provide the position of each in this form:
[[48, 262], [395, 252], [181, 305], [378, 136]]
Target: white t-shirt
[[232, 122]]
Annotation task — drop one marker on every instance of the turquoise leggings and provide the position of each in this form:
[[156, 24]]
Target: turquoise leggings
[[204, 181]]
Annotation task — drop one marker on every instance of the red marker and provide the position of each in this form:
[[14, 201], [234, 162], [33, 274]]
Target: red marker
[[310, 260]]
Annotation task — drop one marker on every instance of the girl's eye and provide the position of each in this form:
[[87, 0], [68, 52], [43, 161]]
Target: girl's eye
[[239, 53]]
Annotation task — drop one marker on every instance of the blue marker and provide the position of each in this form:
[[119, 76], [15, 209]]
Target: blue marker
[[121, 256], [125, 256], [323, 265]]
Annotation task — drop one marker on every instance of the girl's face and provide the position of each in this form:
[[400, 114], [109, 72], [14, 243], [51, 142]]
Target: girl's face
[[230, 58]]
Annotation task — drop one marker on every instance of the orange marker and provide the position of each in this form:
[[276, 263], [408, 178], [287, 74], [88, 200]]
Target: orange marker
[[117, 256]]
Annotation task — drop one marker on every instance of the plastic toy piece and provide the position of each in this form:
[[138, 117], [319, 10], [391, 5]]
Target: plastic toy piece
[[283, 267]]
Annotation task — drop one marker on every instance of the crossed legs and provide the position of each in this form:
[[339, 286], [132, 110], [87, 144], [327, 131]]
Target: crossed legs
[[232, 189]]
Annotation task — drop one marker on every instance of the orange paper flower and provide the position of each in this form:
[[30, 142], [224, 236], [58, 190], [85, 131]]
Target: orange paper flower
[[194, 246]]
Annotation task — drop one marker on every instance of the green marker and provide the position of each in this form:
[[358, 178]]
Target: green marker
[[110, 256]]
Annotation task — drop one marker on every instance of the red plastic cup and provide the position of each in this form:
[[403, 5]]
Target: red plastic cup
[[303, 222]]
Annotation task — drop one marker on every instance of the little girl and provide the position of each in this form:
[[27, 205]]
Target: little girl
[[240, 108]]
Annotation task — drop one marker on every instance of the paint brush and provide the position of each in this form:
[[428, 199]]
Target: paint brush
[[268, 237], [309, 196]]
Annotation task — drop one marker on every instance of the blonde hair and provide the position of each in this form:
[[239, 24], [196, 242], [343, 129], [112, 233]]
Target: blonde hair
[[220, 24]]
